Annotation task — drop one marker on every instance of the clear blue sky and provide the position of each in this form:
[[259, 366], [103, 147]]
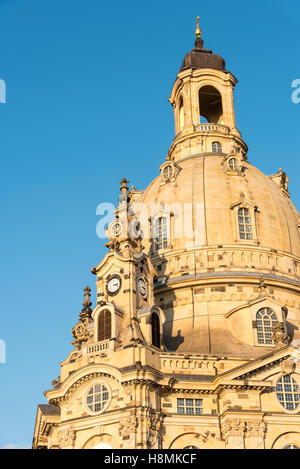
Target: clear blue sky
[[87, 88]]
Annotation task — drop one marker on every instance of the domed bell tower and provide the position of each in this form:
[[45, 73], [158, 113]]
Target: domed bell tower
[[203, 105]]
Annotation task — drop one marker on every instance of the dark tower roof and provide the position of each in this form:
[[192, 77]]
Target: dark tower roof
[[202, 58]]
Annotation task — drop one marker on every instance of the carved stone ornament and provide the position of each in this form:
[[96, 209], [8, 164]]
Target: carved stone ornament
[[278, 334], [153, 425], [66, 437], [288, 366], [255, 428], [79, 331], [128, 425], [80, 335], [233, 427]]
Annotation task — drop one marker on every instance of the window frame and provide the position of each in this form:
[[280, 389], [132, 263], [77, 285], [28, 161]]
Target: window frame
[[266, 334], [235, 166], [293, 382], [219, 145], [105, 320], [87, 394], [193, 406], [244, 214], [155, 247], [155, 330], [253, 211]]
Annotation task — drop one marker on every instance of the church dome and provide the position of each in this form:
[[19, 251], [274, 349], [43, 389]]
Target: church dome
[[200, 57], [212, 195], [217, 268]]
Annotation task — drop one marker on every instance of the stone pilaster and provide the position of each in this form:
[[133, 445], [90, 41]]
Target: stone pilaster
[[66, 438], [255, 434], [127, 431], [233, 432]]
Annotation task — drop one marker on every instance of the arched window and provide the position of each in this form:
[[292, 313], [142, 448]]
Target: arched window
[[104, 325], [168, 172], [245, 224], [155, 329], [233, 164], [291, 447], [181, 115], [210, 103], [217, 147], [160, 233], [265, 320], [288, 393]]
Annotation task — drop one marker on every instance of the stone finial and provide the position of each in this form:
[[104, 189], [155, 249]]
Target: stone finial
[[124, 186], [87, 294], [86, 311]]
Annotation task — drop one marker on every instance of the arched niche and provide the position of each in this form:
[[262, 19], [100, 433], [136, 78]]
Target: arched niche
[[210, 104], [181, 114]]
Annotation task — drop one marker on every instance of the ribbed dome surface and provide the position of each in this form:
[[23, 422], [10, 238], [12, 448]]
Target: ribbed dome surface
[[203, 183]]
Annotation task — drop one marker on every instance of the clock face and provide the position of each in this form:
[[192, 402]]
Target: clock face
[[116, 229], [80, 330], [142, 287], [114, 285]]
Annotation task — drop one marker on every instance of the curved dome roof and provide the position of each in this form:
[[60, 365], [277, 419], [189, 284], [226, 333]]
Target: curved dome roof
[[202, 58], [204, 184]]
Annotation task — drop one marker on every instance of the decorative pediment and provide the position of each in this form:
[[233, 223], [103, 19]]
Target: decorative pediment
[[244, 203], [265, 300], [256, 367], [247, 321]]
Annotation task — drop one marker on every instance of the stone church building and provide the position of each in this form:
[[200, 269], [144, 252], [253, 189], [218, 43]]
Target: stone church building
[[194, 341]]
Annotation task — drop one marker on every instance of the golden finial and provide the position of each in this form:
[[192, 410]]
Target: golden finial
[[198, 31]]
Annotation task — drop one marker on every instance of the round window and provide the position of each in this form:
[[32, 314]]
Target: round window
[[168, 172], [97, 398], [233, 164], [288, 393]]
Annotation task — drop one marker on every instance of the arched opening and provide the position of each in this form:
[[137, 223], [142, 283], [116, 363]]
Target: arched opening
[[245, 224], [160, 238], [155, 328], [266, 319], [102, 446], [210, 104], [216, 147], [233, 164], [104, 325], [181, 114], [288, 392]]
